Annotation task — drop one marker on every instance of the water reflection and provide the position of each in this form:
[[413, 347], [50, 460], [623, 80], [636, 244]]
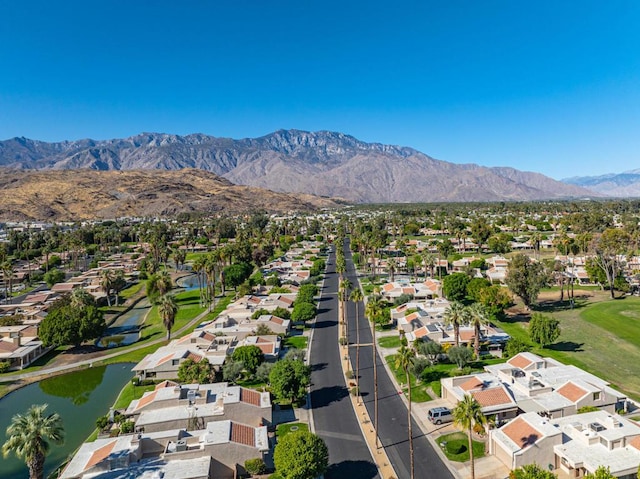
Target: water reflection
[[98, 390], [79, 390]]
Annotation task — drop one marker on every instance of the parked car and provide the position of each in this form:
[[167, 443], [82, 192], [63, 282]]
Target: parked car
[[439, 415]]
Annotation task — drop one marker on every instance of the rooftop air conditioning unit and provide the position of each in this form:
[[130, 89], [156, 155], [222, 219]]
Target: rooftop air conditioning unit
[[181, 445], [596, 426]]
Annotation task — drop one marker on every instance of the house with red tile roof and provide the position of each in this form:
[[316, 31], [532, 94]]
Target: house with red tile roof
[[571, 446], [20, 346], [527, 439]]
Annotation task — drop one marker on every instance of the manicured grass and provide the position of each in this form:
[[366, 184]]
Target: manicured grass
[[284, 429], [389, 342], [621, 317], [188, 308], [457, 447], [131, 290], [297, 342], [131, 392], [194, 255], [597, 336], [418, 390], [252, 384]]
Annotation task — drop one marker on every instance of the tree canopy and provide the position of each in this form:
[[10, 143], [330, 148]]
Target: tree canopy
[[192, 372], [454, 286], [543, 330], [301, 455], [69, 323], [525, 278], [289, 380], [303, 312], [251, 356]]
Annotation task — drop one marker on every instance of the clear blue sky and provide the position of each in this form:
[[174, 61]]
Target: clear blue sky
[[542, 86]]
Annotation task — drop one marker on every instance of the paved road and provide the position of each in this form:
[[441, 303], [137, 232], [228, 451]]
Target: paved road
[[392, 412], [333, 415]]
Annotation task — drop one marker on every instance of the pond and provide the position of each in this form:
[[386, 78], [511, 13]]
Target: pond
[[79, 397], [126, 328], [189, 283]]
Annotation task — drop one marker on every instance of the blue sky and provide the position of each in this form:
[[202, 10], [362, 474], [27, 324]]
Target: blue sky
[[542, 86]]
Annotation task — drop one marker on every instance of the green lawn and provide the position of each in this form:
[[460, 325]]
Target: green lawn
[[297, 342], [131, 392], [284, 429], [456, 447], [621, 317], [194, 255], [418, 390], [389, 342], [599, 335], [131, 290]]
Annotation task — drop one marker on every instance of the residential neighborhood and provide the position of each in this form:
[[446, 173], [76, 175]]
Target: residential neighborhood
[[227, 371]]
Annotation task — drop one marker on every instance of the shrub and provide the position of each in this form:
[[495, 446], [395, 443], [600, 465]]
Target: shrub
[[102, 422], [349, 374], [419, 365], [255, 466], [126, 427], [355, 391]]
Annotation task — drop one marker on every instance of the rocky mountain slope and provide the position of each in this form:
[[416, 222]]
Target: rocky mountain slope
[[86, 194], [321, 163], [623, 185]]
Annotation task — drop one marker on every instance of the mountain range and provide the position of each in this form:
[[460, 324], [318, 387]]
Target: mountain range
[[321, 163], [626, 184], [64, 195]]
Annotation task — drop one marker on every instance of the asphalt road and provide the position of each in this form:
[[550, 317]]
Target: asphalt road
[[392, 412], [333, 415]]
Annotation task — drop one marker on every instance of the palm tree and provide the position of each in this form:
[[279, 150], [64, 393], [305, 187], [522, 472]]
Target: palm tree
[[106, 281], [164, 283], [29, 435], [167, 308], [373, 309], [81, 298], [429, 262], [198, 267], [478, 317], [391, 266], [356, 297], [404, 360], [456, 315], [7, 275], [343, 295], [466, 414]]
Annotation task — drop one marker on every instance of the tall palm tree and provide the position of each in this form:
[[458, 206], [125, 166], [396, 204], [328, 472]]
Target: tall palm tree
[[373, 309], [429, 261], [211, 269], [356, 297], [456, 315], [343, 295], [466, 414], [478, 317], [391, 267], [81, 298], [106, 282], [29, 436], [198, 267], [7, 275], [404, 360], [168, 309]]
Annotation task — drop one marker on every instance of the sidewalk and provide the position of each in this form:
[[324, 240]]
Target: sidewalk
[[487, 467]]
